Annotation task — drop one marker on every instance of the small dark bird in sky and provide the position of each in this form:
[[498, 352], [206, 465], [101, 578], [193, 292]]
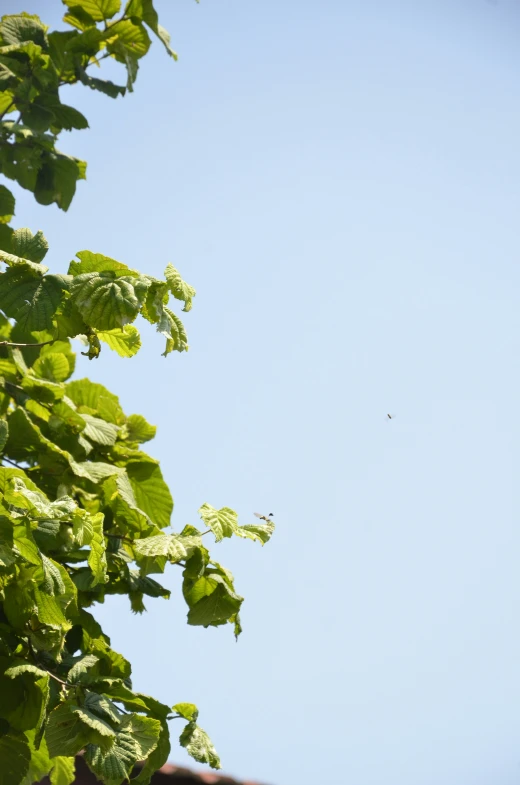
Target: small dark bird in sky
[[390, 416], [264, 517]]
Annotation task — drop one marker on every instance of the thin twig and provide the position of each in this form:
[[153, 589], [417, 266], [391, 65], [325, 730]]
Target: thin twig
[[119, 537], [13, 463], [52, 675], [6, 111], [98, 60], [56, 678], [9, 343]]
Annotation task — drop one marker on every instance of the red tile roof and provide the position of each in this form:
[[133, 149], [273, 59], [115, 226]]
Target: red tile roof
[[168, 775], [206, 777]]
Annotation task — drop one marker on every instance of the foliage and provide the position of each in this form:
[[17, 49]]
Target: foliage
[[84, 511]]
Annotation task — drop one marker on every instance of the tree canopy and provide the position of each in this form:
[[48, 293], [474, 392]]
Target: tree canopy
[[84, 511]]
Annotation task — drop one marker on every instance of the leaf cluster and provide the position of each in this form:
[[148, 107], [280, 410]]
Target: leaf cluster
[[85, 513], [35, 63]]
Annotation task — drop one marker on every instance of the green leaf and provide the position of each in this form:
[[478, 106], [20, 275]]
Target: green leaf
[[90, 262], [103, 707], [262, 533], [52, 583], [26, 439], [94, 396], [144, 10], [152, 553], [223, 522], [65, 117], [24, 667], [6, 234], [187, 710], [145, 732], [139, 430], [98, 10], [6, 476], [156, 759], [49, 611], [151, 492], [97, 560], [104, 301], [125, 341], [4, 434], [85, 670], [65, 733], [173, 329], [78, 19], [132, 38], [6, 205], [15, 756], [56, 179], [28, 297], [217, 608], [101, 85], [93, 721], [47, 392], [179, 288], [95, 471], [22, 698], [199, 746], [19, 28], [116, 762], [29, 246], [120, 497], [63, 771], [54, 366], [99, 431], [136, 701], [41, 764]]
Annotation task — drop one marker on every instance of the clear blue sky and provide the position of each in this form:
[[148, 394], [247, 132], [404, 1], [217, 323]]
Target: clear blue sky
[[341, 183]]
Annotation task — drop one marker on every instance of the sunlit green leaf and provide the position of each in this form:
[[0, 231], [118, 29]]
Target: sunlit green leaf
[[151, 492], [64, 770], [187, 710], [139, 430], [223, 522], [98, 10], [29, 246], [126, 341], [215, 608], [199, 746], [28, 297], [179, 288], [105, 301], [144, 10]]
